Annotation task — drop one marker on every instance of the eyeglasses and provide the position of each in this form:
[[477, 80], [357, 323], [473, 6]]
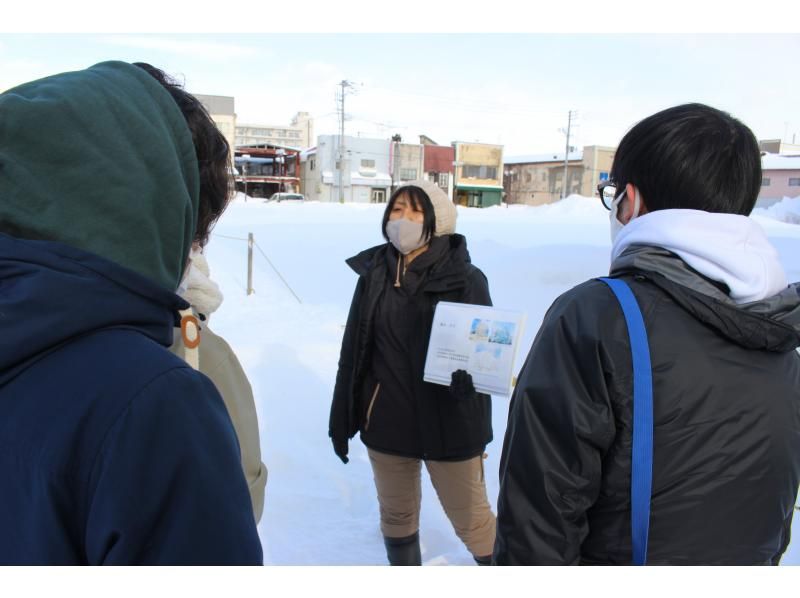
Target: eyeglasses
[[607, 190]]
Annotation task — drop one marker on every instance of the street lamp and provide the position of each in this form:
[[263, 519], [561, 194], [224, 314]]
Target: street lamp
[[511, 175]]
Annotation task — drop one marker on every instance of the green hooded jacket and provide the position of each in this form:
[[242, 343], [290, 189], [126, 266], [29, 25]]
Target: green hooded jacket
[[102, 160]]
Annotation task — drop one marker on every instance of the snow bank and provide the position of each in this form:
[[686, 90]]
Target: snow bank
[[786, 210], [319, 511]]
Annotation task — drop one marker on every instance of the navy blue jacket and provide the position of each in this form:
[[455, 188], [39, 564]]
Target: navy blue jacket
[[112, 450]]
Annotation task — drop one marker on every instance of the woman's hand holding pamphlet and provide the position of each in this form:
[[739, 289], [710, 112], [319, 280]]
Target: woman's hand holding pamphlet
[[479, 339]]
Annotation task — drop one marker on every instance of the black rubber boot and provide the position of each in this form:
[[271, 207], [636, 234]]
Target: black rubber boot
[[403, 551], [483, 560]]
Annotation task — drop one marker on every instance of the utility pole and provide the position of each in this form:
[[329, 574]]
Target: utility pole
[[566, 157], [396, 139], [344, 85]]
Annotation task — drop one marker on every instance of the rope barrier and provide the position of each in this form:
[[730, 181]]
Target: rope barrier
[[277, 272], [283, 280]]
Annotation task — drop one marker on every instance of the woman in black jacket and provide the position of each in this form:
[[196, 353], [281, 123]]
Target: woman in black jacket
[[380, 390]]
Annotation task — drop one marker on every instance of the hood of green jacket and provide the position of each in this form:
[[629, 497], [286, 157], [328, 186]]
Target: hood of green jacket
[[102, 160]]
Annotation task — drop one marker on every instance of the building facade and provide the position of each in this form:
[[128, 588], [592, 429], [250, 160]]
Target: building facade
[[266, 169], [299, 134], [364, 177], [777, 146], [539, 179], [222, 111], [780, 177], [478, 174], [407, 162], [438, 163]]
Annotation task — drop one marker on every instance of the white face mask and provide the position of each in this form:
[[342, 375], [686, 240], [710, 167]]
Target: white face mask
[[406, 236], [616, 225]]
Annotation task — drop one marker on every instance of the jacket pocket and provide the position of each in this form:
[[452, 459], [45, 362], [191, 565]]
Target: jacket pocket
[[371, 405]]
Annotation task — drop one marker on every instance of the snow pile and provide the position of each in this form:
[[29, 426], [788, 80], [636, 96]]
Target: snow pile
[[786, 210], [317, 510], [240, 197]]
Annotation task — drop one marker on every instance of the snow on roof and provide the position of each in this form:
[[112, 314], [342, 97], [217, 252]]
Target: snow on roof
[[535, 158], [780, 162], [308, 152]]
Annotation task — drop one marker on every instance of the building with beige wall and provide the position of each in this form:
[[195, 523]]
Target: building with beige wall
[[478, 174], [299, 134], [223, 113], [407, 162], [539, 179], [777, 146]]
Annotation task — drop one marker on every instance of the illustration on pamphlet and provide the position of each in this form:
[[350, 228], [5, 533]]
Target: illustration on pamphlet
[[479, 339]]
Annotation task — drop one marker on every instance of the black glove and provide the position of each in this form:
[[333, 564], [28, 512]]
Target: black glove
[[340, 447], [461, 386]]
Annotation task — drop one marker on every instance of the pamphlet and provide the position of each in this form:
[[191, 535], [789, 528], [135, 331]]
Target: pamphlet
[[479, 339]]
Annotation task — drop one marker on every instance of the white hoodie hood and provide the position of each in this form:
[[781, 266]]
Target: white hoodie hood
[[727, 248]]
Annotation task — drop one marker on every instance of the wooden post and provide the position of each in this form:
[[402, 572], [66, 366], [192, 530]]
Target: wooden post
[[249, 263]]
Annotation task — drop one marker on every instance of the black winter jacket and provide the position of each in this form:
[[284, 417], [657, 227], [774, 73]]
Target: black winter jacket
[[420, 420], [726, 383]]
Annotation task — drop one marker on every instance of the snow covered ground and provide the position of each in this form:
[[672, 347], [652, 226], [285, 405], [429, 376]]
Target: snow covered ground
[[317, 510]]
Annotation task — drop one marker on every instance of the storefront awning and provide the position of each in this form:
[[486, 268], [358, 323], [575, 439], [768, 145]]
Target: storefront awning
[[477, 188]]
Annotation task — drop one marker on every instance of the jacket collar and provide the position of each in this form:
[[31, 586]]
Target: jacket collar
[[771, 324], [448, 261]]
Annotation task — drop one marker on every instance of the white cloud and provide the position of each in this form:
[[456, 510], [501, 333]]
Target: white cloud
[[209, 50]]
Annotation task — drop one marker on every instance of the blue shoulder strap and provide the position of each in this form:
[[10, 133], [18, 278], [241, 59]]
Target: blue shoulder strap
[[642, 450]]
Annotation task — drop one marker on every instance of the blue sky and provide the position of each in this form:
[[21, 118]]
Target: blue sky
[[514, 89]]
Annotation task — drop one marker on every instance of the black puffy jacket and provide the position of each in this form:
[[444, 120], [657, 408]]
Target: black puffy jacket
[[726, 465], [418, 419]]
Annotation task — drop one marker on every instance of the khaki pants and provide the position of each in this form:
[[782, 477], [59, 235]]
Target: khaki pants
[[461, 489]]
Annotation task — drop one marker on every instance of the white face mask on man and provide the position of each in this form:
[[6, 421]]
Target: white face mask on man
[[616, 225], [405, 235]]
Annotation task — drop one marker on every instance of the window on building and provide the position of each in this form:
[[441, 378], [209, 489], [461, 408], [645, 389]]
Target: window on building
[[794, 182], [765, 182], [311, 164], [471, 171], [367, 163], [444, 179], [528, 177], [408, 174]]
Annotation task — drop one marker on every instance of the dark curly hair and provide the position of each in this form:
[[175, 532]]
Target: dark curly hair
[[211, 148]]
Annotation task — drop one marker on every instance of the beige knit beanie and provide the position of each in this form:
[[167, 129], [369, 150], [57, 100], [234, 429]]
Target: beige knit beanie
[[443, 208]]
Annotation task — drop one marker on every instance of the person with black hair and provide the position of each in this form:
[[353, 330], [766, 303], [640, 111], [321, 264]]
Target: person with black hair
[[210, 353], [722, 328], [380, 391], [114, 451]]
